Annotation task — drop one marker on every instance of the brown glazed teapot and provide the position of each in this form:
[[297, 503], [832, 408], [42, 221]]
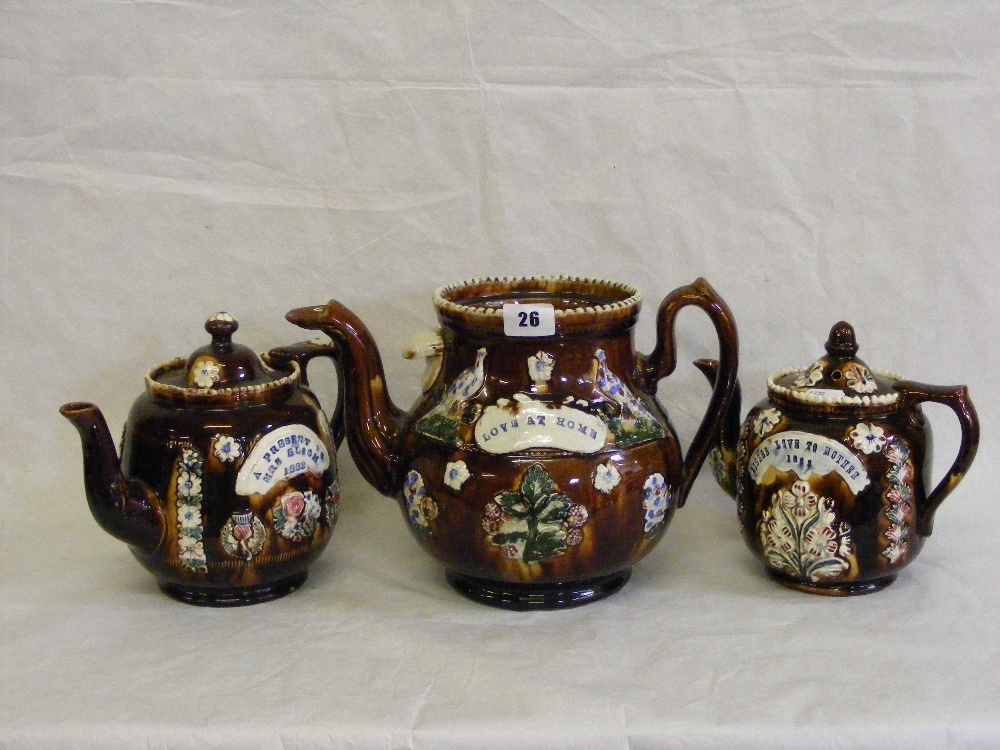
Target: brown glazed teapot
[[831, 470], [226, 490], [537, 466]]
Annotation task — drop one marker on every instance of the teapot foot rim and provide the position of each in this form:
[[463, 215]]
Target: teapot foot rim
[[858, 588], [537, 596], [202, 596]]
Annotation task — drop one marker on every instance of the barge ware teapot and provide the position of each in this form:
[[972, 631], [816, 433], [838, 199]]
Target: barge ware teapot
[[831, 470], [226, 490], [537, 466]]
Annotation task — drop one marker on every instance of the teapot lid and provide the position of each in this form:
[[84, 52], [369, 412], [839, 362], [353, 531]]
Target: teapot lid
[[840, 378], [220, 373]]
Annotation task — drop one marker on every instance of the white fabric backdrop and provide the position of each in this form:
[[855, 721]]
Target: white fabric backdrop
[[814, 160]]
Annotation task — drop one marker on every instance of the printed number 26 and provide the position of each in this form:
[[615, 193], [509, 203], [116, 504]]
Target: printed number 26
[[528, 319]]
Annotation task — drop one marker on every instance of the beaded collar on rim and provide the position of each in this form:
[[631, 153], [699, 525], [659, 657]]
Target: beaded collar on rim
[[613, 298], [259, 393], [829, 397]]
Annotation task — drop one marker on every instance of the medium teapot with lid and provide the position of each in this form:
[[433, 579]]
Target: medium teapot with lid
[[831, 471], [537, 466], [226, 489]]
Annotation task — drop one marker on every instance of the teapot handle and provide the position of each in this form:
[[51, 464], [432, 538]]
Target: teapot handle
[[663, 359], [303, 353], [957, 399]]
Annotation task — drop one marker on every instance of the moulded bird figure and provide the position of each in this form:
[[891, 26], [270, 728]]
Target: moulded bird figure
[[612, 387], [466, 385], [444, 421]]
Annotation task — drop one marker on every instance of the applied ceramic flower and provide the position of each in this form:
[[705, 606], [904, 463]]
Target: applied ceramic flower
[[226, 448], [420, 506], [810, 377], [188, 484], [859, 378], [540, 367], [869, 438], [455, 474], [655, 501], [766, 421], [206, 373], [606, 477], [189, 516]]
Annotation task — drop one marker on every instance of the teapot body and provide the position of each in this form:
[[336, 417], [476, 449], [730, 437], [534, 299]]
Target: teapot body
[[249, 495], [540, 476], [538, 466], [831, 505]]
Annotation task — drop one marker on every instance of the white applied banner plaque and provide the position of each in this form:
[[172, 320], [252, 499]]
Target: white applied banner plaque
[[805, 454], [283, 453], [532, 424]]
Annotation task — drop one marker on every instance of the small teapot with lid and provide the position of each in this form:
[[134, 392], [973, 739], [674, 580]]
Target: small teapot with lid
[[831, 470], [226, 489]]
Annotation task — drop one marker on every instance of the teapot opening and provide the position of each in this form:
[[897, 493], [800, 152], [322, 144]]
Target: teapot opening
[[559, 300], [575, 301], [563, 293]]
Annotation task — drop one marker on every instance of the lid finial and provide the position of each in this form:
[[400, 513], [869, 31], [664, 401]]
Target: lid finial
[[224, 363], [222, 326], [842, 342]]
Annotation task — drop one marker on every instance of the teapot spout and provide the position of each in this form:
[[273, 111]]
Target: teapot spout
[[126, 509], [373, 422], [723, 458]]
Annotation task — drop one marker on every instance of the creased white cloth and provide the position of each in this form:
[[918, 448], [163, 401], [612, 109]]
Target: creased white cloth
[[816, 161]]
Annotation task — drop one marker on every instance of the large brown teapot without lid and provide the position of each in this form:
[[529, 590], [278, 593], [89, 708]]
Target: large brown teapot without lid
[[226, 489], [537, 466], [831, 470]]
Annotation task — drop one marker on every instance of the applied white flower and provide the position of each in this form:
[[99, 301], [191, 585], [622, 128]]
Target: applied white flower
[[869, 438], [205, 373], [606, 477], [455, 474], [540, 367], [226, 448], [766, 421]]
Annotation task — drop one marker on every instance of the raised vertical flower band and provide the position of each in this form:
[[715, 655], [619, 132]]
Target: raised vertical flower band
[[899, 503], [190, 545]]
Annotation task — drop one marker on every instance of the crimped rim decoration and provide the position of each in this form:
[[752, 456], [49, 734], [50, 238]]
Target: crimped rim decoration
[[619, 309], [244, 394], [829, 397]]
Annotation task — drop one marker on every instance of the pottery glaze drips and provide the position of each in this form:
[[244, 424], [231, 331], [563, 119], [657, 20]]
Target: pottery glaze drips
[[537, 466], [831, 470], [227, 488]]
